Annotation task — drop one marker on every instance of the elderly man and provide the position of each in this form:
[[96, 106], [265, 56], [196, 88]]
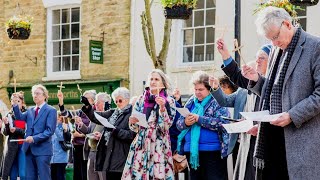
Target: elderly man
[[41, 123], [289, 145]]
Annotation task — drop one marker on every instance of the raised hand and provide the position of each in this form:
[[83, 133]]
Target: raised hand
[[250, 73], [222, 49], [60, 97], [214, 82], [84, 101]]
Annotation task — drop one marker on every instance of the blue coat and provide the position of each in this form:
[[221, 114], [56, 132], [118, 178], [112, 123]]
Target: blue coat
[[41, 129], [59, 155], [237, 100]]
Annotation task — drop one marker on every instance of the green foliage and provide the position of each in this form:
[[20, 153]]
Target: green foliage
[[171, 3], [20, 22], [285, 4]]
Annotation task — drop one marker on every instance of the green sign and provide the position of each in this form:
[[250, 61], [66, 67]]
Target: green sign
[[96, 51], [70, 92]]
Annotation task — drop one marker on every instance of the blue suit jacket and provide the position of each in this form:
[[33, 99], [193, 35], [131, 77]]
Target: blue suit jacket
[[41, 128]]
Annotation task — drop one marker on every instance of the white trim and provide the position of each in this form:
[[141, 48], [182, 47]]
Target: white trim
[[52, 3], [62, 75], [132, 40]]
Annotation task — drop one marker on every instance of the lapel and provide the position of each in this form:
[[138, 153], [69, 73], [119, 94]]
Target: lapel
[[42, 111], [295, 57]]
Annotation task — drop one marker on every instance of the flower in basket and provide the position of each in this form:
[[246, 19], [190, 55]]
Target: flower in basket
[[178, 9], [19, 27], [285, 4]]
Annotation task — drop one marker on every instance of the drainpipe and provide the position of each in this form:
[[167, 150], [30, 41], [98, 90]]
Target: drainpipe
[[237, 26]]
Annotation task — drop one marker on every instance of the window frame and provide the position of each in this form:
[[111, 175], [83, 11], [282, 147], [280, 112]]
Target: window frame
[[61, 75], [204, 26]]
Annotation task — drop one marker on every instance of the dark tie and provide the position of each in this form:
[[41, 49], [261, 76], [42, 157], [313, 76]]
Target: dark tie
[[37, 111]]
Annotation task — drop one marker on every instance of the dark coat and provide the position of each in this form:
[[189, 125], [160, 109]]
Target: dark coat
[[119, 142], [12, 149]]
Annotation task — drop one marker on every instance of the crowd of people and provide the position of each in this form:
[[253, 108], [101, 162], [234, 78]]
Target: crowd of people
[[284, 79]]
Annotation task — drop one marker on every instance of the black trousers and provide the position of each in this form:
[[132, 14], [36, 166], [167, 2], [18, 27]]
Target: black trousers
[[79, 165], [58, 171], [114, 175], [212, 167]]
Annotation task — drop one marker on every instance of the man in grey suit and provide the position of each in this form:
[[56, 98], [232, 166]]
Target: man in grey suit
[[288, 147]]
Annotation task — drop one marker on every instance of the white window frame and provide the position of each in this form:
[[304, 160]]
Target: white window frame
[[61, 75], [304, 17], [181, 39]]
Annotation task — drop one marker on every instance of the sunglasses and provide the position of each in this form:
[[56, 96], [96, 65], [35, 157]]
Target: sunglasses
[[119, 101]]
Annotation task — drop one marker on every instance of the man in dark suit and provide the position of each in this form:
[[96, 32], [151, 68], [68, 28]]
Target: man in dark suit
[[41, 123]]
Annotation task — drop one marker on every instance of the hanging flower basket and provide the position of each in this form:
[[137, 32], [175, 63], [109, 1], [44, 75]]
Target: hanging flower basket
[[19, 27], [178, 12], [304, 2], [178, 9], [18, 33], [285, 4]]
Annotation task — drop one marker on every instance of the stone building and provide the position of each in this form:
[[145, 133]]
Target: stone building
[[85, 42]]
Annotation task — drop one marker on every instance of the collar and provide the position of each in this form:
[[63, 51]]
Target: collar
[[40, 105]]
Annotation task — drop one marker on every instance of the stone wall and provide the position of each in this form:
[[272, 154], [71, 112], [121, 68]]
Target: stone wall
[[111, 17]]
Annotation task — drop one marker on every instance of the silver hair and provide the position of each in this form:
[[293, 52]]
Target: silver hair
[[121, 91], [44, 90], [165, 79], [271, 16], [92, 93], [200, 77], [104, 97]]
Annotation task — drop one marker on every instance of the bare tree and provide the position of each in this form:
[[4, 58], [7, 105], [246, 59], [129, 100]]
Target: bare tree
[[159, 61]]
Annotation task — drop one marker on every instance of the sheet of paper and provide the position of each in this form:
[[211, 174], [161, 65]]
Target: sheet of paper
[[141, 117], [17, 140], [90, 136], [71, 127], [10, 120], [238, 127], [103, 121], [262, 116], [183, 111]]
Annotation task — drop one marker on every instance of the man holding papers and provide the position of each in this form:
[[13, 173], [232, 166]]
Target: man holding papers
[[289, 146]]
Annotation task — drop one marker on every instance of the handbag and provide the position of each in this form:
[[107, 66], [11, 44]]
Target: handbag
[[180, 162], [66, 143]]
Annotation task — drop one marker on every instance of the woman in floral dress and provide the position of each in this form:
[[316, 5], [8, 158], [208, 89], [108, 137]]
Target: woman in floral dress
[[150, 155]]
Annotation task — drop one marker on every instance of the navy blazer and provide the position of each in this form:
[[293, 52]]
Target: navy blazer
[[41, 128]]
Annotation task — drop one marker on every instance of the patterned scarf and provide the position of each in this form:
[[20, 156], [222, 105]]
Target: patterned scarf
[[114, 117], [195, 132], [150, 103], [270, 139]]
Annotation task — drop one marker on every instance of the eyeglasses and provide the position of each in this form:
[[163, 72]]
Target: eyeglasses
[[119, 101], [277, 36], [37, 93]]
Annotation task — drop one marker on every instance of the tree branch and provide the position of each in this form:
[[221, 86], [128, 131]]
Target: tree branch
[[162, 58], [150, 34], [145, 33]]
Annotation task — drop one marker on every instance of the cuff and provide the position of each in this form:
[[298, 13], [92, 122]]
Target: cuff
[[226, 62], [115, 131]]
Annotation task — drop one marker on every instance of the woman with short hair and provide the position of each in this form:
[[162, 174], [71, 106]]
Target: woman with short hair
[[202, 137]]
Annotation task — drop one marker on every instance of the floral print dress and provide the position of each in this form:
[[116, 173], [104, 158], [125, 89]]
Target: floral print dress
[[150, 155]]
